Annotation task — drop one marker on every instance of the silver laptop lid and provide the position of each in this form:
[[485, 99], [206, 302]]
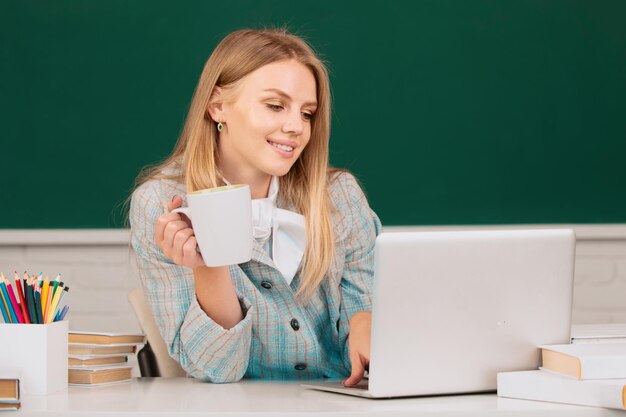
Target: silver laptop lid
[[451, 309]]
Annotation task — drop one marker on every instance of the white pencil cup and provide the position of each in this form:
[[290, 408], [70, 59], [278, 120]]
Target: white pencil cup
[[36, 354]]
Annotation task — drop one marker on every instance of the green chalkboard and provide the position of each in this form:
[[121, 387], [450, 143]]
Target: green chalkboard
[[448, 111]]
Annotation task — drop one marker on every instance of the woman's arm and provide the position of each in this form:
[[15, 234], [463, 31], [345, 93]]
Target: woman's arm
[[359, 342], [216, 295], [203, 347], [213, 285], [357, 278]]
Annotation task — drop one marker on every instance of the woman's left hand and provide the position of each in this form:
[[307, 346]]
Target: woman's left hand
[[359, 341]]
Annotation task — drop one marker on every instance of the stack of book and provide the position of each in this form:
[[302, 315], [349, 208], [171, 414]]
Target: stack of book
[[9, 394], [592, 374], [96, 358]]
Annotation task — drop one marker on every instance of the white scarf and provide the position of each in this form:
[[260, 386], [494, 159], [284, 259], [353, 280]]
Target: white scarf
[[287, 227]]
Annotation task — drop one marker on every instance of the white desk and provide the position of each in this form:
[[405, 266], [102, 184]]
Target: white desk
[[189, 397]]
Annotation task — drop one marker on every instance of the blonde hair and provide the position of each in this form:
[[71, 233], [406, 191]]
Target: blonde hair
[[305, 186]]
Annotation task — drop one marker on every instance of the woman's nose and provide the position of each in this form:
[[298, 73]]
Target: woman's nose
[[294, 124]]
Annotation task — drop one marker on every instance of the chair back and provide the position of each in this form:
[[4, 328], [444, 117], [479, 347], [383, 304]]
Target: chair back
[[167, 367]]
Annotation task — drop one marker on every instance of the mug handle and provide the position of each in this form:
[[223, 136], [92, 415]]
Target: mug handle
[[184, 210]]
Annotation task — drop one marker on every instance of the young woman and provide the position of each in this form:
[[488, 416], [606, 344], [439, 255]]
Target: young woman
[[300, 308]]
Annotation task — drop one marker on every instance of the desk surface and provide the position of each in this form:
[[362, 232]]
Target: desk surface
[[190, 397]]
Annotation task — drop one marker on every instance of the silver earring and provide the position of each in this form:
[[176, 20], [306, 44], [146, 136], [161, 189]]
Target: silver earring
[[220, 127]]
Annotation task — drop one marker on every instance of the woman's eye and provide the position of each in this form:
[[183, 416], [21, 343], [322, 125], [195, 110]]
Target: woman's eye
[[307, 116], [275, 107]]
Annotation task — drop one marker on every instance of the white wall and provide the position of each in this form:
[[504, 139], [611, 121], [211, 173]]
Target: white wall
[[96, 264]]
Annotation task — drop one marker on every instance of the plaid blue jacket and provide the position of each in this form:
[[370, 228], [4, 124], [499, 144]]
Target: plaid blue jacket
[[264, 344]]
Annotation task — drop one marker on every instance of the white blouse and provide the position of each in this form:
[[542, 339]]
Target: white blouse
[[281, 232]]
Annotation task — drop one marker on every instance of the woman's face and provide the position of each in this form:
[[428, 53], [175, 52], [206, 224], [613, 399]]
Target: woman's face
[[269, 124]]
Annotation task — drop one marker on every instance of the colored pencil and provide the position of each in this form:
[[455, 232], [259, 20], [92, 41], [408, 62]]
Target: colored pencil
[[5, 306], [58, 314], [20, 294], [38, 311], [56, 283], [20, 297], [33, 299], [3, 309], [16, 306], [30, 303], [58, 305], [42, 320], [44, 295], [51, 291], [55, 302], [9, 304], [63, 313], [25, 283], [52, 305]]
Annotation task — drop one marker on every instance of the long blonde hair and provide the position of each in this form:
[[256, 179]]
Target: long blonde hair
[[305, 186]]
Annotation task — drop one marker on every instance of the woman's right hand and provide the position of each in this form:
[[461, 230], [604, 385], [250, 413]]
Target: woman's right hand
[[174, 236]]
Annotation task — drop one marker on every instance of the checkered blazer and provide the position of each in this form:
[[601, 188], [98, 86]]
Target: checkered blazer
[[278, 338]]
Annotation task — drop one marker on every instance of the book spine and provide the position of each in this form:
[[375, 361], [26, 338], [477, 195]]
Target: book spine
[[544, 386]]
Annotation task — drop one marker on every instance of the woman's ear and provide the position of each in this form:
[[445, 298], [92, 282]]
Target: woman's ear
[[216, 112], [215, 109]]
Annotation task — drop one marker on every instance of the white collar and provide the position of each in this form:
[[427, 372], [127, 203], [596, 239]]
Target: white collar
[[288, 228]]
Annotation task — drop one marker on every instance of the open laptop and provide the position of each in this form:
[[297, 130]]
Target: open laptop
[[452, 309]]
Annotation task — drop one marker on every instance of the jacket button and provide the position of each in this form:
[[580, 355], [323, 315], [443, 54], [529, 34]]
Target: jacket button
[[295, 325], [300, 367], [266, 284]]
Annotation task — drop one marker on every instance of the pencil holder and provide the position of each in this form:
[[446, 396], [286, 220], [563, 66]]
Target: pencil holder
[[36, 354]]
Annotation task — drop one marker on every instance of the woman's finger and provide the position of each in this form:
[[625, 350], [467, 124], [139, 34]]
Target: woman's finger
[[192, 257], [174, 203], [168, 235], [180, 239], [164, 219], [358, 370], [162, 222]]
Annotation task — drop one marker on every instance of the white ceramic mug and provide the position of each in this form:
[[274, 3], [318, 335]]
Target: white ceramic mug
[[222, 223]]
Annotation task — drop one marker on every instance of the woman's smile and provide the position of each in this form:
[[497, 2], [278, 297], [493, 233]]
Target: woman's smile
[[284, 148]]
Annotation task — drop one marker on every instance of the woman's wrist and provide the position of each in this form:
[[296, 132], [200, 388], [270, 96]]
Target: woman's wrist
[[362, 317], [209, 271], [217, 296]]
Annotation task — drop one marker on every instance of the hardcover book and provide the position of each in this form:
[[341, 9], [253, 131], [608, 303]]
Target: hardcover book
[[546, 386], [87, 360], [81, 349], [586, 361], [98, 338], [9, 390], [9, 394], [99, 375]]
